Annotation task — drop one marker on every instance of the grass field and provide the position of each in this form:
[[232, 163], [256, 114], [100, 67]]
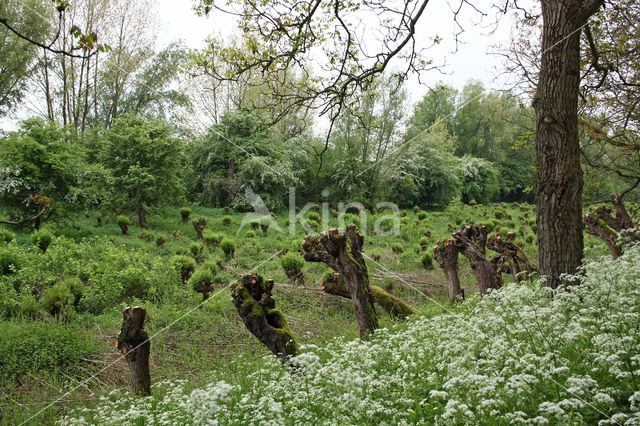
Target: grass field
[[49, 364]]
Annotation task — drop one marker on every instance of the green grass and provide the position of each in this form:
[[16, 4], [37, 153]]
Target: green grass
[[210, 341]]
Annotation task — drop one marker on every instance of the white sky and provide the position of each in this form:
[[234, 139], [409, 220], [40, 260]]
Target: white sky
[[472, 60]]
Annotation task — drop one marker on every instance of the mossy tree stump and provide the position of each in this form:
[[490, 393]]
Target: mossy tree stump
[[395, 307], [471, 242], [511, 254], [446, 254], [342, 252], [256, 307], [133, 342], [198, 225]]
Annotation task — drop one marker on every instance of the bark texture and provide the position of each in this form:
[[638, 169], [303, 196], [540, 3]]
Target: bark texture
[[510, 253], [395, 307], [342, 252], [559, 177], [446, 254], [133, 342], [471, 242], [257, 309]]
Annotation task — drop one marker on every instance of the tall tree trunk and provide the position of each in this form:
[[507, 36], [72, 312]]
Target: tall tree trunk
[[558, 174], [47, 88]]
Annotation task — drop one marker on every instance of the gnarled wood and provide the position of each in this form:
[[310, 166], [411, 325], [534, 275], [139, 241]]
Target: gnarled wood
[[390, 303], [342, 251], [257, 309], [446, 254], [485, 274], [607, 226], [511, 254], [133, 342]]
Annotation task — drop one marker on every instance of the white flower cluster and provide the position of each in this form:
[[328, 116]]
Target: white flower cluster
[[524, 354]]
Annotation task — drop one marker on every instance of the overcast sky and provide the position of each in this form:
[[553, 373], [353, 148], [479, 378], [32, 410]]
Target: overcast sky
[[472, 60]]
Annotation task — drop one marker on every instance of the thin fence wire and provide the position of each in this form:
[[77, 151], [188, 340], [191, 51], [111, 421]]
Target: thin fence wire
[[82, 383]]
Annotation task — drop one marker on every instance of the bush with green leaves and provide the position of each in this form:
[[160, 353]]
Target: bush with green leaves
[[123, 222], [223, 278], [228, 247], [6, 236], [212, 238], [202, 282], [397, 248], [184, 265], [29, 306], [195, 248], [211, 265], [145, 162], [226, 220], [250, 234], [135, 282], [185, 212], [421, 215], [9, 259], [161, 240], [58, 300], [427, 261], [292, 264], [424, 243], [199, 224], [314, 216], [42, 239]]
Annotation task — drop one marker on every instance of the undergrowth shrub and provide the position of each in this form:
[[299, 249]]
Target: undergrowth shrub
[[184, 265], [6, 236], [202, 282], [123, 222], [228, 247], [185, 212], [9, 259], [42, 239], [292, 264], [212, 238]]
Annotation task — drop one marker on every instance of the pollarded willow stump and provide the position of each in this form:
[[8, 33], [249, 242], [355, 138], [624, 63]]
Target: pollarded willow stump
[[133, 342], [257, 309], [395, 307], [342, 252], [606, 226], [471, 242], [511, 254], [446, 254]]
